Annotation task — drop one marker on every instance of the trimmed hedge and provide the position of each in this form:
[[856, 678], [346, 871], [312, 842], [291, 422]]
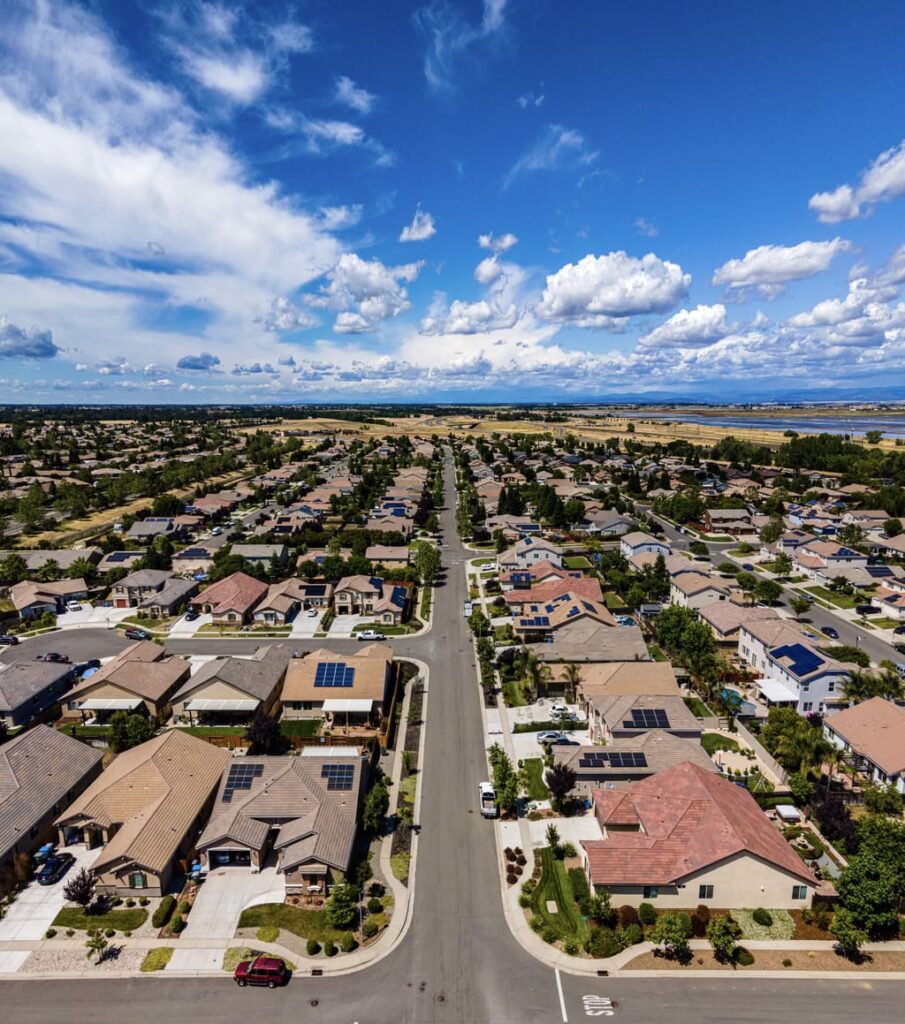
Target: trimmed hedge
[[164, 911]]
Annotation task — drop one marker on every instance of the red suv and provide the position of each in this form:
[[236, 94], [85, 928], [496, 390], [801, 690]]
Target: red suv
[[263, 970]]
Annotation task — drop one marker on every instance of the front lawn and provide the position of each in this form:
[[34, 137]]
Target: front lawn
[[534, 779], [307, 924], [711, 742], [555, 885], [782, 928], [399, 864], [839, 600], [885, 623], [122, 920], [513, 695], [157, 959]]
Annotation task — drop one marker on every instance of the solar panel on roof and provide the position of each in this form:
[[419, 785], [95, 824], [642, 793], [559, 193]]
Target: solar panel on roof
[[801, 660], [571, 612], [647, 718], [334, 674], [338, 776]]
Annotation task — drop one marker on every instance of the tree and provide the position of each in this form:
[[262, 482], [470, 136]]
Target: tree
[[553, 840], [771, 532], [768, 591], [867, 889], [263, 734], [800, 787], [672, 932], [892, 527], [560, 781], [883, 800], [532, 671], [723, 934], [505, 778], [849, 937], [13, 569], [96, 943], [341, 908], [574, 510], [139, 729], [747, 583], [571, 676], [80, 888], [782, 564], [127, 731], [376, 805], [427, 561], [799, 606], [850, 535]]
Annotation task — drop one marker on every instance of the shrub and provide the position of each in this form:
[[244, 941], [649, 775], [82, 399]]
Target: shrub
[[377, 889], [628, 915], [548, 934], [70, 932], [529, 885], [369, 929], [509, 853], [143, 901], [762, 917], [524, 900], [130, 902], [348, 943], [184, 907], [109, 932], [536, 923], [744, 957], [268, 933], [571, 948], [602, 943], [520, 860], [786, 962], [375, 906], [631, 935], [313, 947], [646, 914], [579, 884], [330, 948], [699, 921], [176, 924], [128, 934], [568, 850], [117, 901], [163, 912], [512, 878], [49, 934]]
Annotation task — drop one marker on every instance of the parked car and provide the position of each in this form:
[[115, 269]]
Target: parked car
[[134, 633], [191, 615], [900, 648], [867, 609], [370, 634], [487, 797], [53, 869], [217, 530], [53, 656], [748, 567], [810, 635], [73, 606], [263, 970], [8, 640], [564, 741], [562, 711], [548, 736], [312, 613], [899, 629], [833, 634]]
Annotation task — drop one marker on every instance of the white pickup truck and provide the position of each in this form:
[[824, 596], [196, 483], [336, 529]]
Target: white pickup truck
[[487, 796]]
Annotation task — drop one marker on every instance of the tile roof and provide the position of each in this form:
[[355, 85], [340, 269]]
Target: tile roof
[[238, 592], [368, 682], [661, 750], [37, 769], [689, 820], [257, 676], [624, 677], [141, 670], [20, 681], [154, 792], [875, 729]]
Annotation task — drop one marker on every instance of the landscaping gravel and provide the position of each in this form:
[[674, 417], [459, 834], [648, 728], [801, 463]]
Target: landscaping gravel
[[73, 961]]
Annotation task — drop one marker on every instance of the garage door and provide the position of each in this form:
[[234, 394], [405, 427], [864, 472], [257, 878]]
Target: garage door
[[231, 858]]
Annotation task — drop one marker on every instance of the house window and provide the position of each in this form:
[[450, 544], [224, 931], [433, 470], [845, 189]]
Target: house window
[[799, 892], [137, 880], [705, 892], [651, 892], [809, 706]]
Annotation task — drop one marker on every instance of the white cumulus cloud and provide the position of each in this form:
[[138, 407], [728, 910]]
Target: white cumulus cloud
[[365, 292], [882, 182], [770, 267], [689, 328], [421, 228]]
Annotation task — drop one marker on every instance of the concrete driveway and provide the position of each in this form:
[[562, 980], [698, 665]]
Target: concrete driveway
[[37, 906], [525, 743], [305, 625], [183, 628], [225, 894], [90, 616], [344, 624], [571, 830]]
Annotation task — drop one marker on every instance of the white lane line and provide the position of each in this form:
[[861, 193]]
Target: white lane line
[[562, 1001]]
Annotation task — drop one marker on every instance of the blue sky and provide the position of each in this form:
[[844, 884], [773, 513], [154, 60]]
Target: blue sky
[[507, 199]]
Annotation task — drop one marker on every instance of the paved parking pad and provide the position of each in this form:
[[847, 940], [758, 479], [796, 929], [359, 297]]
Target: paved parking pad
[[12, 959], [225, 894], [191, 960], [37, 905]]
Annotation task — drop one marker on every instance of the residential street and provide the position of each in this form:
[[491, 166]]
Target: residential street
[[459, 963]]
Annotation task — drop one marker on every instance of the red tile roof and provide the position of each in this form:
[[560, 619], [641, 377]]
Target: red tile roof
[[690, 819], [585, 587]]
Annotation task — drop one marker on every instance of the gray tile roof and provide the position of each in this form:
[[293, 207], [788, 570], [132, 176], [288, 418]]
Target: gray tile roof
[[22, 680], [257, 676], [38, 768]]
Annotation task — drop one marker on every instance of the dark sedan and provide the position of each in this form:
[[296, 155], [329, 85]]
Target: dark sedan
[[53, 869], [833, 634], [134, 633]]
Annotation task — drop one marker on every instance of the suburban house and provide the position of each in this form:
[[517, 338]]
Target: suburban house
[[540, 621], [282, 602], [589, 638], [29, 688], [262, 554], [146, 811], [232, 599], [542, 572], [32, 599], [694, 590], [41, 772], [824, 559], [114, 560], [587, 587], [316, 593], [345, 689], [606, 523], [725, 619], [146, 530], [794, 673], [303, 809], [141, 679], [193, 561], [685, 837], [233, 689], [873, 734], [733, 521], [389, 556], [623, 716], [628, 760], [616, 678], [157, 592], [638, 543], [64, 558], [527, 552], [370, 595]]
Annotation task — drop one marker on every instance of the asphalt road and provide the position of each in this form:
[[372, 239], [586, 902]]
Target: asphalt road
[[458, 963]]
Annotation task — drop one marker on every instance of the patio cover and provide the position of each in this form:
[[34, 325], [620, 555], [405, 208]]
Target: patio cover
[[349, 704], [776, 691], [110, 704], [199, 704]]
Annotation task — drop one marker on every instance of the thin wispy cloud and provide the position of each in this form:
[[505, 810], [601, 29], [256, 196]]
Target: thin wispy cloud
[[452, 41], [557, 149]]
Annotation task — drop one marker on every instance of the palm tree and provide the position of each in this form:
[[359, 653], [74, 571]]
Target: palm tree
[[571, 677], [833, 758], [533, 672], [804, 747]]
